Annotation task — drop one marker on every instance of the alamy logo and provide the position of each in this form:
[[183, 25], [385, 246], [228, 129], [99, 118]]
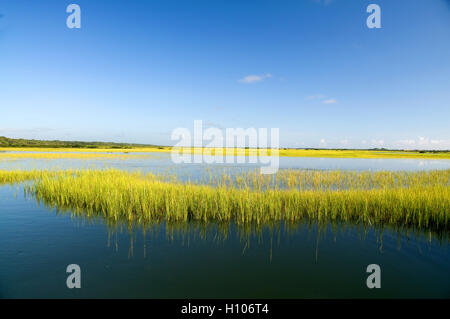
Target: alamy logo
[[374, 279], [374, 19], [74, 19], [74, 279], [233, 146]]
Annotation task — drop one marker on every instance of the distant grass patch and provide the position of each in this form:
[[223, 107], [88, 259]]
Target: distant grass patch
[[69, 155], [246, 152]]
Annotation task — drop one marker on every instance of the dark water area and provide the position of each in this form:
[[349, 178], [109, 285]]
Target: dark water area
[[208, 261]]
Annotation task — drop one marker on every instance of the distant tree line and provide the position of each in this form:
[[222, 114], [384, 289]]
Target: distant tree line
[[20, 142], [12, 142]]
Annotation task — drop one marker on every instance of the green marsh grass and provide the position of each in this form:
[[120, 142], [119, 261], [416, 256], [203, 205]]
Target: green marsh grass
[[281, 152], [419, 200]]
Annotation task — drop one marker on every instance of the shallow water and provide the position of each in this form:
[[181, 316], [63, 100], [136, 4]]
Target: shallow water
[[292, 261], [162, 163]]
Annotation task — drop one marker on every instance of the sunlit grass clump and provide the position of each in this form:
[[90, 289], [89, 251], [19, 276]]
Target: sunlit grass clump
[[402, 199]]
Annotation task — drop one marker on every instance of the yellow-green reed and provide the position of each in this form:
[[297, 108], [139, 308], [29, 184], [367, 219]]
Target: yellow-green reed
[[403, 199], [284, 152], [331, 180]]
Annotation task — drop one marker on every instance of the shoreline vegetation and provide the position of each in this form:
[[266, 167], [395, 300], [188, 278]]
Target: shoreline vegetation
[[34, 149], [70, 155], [418, 200], [89, 153]]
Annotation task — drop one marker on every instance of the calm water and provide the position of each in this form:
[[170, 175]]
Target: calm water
[[191, 260]]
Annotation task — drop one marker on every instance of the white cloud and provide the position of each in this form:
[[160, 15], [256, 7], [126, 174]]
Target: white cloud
[[423, 143], [440, 142], [329, 101], [377, 143], [255, 78], [321, 97], [405, 142], [323, 142]]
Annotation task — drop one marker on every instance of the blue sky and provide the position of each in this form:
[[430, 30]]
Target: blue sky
[[136, 70]]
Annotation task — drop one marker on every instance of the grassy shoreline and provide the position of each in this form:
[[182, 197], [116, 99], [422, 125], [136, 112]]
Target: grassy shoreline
[[404, 199], [35, 152], [71, 155]]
